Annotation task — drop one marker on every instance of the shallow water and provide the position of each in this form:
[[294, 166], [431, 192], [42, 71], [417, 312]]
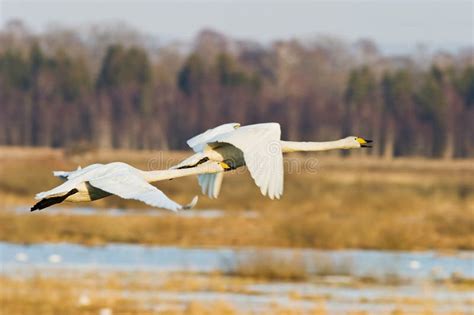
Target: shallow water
[[410, 265], [340, 292]]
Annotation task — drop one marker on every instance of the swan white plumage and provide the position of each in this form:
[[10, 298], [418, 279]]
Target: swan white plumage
[[97, 181], [259, 147]]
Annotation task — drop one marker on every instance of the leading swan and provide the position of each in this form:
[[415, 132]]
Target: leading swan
[[259, 147]]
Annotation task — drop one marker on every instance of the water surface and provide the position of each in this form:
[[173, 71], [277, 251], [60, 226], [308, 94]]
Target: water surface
[[423, 274]]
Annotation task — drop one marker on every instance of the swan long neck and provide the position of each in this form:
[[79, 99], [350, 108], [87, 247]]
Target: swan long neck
[[159, 175], [295, 146]]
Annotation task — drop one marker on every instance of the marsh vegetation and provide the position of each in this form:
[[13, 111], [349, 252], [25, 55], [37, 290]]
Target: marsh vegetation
[[328, 203]]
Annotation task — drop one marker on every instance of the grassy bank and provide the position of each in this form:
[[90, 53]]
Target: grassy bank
[[328, 203]]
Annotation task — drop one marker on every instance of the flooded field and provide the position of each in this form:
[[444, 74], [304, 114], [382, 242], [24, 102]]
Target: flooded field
[[170, 278]]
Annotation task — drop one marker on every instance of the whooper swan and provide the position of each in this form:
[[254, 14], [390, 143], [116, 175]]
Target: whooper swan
[[97, 181], [259, 147]]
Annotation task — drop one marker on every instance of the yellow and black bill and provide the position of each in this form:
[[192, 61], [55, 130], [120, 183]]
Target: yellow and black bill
[[364, 143]]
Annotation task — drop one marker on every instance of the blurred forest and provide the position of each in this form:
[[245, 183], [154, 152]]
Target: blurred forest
[[111, 87]]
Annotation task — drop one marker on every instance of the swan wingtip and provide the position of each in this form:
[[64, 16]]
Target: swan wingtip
[[191, 204]]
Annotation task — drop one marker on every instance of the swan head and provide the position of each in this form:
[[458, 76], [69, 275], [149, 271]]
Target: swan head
[[354, 142]]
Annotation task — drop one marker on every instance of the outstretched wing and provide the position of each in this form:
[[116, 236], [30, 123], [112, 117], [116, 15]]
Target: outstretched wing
[[261, 148], [58, 191], [79, 171], [128, 185], [199, 142], [72, 179], [211, 184]]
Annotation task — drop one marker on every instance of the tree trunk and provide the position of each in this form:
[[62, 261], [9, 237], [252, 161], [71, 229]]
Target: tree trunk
[[448, 152], [103, 123], [389, 140]]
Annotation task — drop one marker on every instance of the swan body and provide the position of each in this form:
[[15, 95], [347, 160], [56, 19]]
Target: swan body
[[259, 147], [97, 181]]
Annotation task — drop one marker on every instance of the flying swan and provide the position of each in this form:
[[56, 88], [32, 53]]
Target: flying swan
[[97, 181], [259, 147]]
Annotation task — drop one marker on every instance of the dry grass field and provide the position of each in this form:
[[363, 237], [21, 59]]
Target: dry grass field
[[329, 202]]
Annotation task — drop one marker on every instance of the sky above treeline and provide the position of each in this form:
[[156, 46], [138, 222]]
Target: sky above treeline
[[396, 26]]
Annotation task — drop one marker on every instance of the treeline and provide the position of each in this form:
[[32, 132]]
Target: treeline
[[114, 88]]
